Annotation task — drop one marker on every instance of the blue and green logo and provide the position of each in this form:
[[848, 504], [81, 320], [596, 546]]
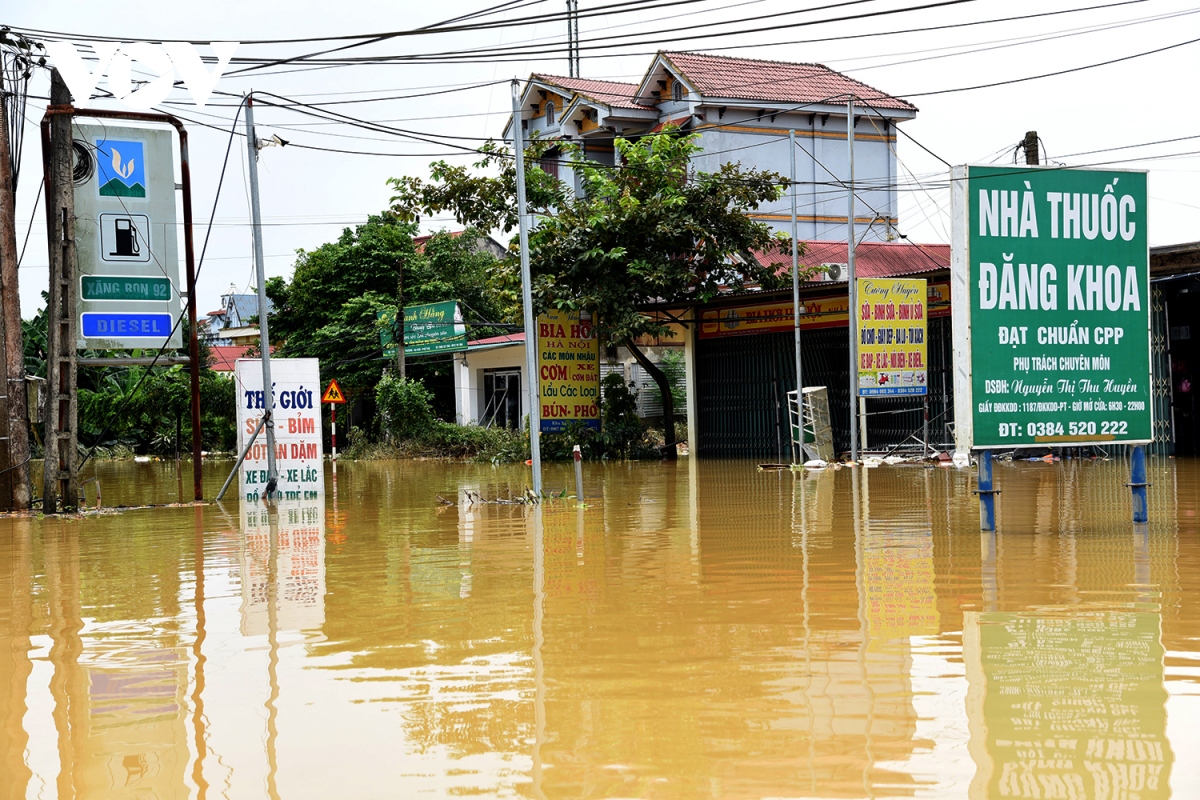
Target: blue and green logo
[[121, 168]]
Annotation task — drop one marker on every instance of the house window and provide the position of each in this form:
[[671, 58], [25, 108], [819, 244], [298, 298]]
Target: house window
[[549, 113], [677, 91], [501, 399]]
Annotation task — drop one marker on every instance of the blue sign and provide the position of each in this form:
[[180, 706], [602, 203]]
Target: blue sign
[[121, 168], [108, 326]]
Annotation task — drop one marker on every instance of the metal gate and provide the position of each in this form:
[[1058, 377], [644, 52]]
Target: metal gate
[[742, 384]]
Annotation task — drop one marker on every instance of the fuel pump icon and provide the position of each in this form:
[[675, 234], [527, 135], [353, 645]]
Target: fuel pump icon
[[126, 239]]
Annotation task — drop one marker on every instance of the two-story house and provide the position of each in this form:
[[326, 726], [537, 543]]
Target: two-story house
[[743, 109]]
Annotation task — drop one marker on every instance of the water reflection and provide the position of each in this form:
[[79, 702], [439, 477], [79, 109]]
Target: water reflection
[[697, 630]]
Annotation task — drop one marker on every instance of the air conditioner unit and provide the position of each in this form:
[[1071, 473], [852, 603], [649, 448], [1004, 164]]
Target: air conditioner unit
[[834, 272]]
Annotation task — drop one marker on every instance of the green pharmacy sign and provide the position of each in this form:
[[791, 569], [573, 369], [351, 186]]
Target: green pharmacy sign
[[1051, 305], [428, 329]]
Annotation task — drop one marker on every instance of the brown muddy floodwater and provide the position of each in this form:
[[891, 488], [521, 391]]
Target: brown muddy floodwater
[[700, 629]]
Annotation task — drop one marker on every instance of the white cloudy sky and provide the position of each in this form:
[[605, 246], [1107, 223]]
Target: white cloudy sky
[[308, 196]]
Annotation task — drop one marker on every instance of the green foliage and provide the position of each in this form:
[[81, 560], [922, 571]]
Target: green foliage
[[652, 231], [330, 308], [487, 202], [405, 408], [496, 445], [674, 368], [621, 429]]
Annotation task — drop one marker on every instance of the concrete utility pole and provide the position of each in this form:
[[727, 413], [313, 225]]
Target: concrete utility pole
[[61, 416], [573, 38], [264, 336], [12, 351], [531, 375], [1030, 145], [852, 285]]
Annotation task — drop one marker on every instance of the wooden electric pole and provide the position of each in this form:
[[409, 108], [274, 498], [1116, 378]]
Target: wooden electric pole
[[1030, 145], [60, 481], [14, 423]]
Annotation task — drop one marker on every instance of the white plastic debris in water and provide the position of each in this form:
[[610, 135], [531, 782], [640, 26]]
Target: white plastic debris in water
[[816, 463], [871, 461], [894, 460], [961, 459], [141, 459]]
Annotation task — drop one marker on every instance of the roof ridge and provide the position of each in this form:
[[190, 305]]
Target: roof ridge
[[594, 80], [752, 60], [880, 94]]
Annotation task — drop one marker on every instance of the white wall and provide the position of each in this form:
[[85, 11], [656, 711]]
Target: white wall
[[468, 379]]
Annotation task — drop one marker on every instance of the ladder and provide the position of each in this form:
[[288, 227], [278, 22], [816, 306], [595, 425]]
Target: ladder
[[812, 431]]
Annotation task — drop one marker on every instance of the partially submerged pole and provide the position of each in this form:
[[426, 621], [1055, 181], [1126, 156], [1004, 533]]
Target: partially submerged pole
[[260, 273], [852, 287], [535, 418], [578, 456], [798, 450], [987, 493], [1137, 484]]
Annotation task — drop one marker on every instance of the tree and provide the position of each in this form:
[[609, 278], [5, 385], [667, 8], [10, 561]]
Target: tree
[[330, 307], [650, 232]]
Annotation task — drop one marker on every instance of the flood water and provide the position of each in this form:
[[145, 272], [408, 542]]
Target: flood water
[[698, 630]]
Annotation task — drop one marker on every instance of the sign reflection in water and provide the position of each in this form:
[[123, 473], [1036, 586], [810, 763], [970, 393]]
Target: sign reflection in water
[[700, 630], [298, 528]]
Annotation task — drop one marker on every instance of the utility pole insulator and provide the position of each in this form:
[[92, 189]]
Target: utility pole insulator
[[1031, 148]]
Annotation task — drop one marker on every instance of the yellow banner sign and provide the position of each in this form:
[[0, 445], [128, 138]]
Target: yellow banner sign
[[568, 370], [891, 318], [819, 312]]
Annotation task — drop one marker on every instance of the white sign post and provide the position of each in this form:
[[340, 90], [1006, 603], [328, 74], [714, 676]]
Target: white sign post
[[299, 452]]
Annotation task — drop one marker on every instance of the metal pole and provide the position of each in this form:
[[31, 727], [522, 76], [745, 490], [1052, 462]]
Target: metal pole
[[577, 454], [194, 341], [987, 494], [1137, 483], [796, 301], [852, 287], [241, 458], [260, 273], [535, 417], [925, 424], [333, 424]]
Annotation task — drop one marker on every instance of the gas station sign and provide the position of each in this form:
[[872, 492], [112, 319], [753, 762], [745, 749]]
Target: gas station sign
[[127, 245]]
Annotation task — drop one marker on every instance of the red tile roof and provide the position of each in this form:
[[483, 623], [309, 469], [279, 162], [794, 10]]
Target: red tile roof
[[497, 341], [225, 356], [872, 259], [775, 81], [419, 242], [610, 93]]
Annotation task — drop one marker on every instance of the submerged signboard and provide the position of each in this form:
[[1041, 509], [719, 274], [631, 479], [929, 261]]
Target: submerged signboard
[[1051, 288], [568, 370], [891, 318], [299, 449]]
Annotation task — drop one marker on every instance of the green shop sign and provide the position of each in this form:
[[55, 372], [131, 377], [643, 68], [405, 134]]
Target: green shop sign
[[1051, 307], [428, 329]]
